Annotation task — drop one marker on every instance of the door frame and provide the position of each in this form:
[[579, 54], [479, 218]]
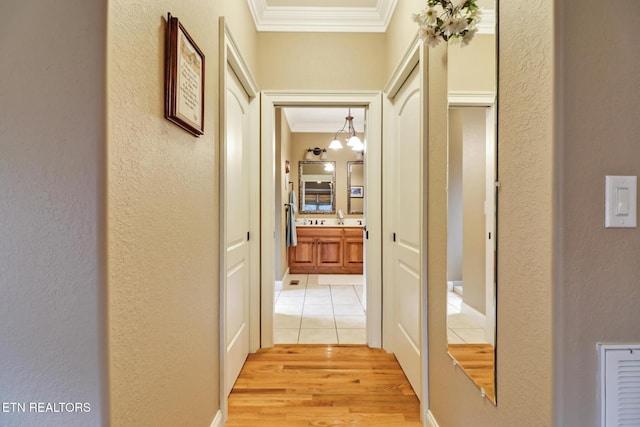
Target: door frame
[[487, 101], [229, 55], [372, 100]]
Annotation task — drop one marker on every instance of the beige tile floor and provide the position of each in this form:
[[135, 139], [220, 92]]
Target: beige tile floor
[[320, 309], [460, 328]]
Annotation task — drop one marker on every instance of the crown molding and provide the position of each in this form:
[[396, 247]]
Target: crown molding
[[322, 19], [487, 24]]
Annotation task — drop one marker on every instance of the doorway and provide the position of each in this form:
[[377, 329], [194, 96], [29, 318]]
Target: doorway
[[320, 287], [317, 289]]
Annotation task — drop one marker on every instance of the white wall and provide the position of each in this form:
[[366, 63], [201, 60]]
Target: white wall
[[52, 135]]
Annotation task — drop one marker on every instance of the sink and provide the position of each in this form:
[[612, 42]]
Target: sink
[[330, 222]]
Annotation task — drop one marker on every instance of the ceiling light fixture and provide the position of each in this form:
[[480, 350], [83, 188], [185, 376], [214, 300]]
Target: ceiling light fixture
[[351, 135]]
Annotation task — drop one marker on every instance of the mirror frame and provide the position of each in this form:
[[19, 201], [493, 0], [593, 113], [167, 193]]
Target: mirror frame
[[301, 209], [350, 164]]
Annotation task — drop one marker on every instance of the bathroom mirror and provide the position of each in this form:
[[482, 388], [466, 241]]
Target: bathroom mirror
[[316, 181], [472, 225], [355, 187]]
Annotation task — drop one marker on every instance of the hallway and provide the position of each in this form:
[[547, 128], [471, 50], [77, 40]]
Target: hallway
[[322, 385]]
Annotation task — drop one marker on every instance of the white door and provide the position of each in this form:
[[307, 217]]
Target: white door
[[406, 175], [235, 230]]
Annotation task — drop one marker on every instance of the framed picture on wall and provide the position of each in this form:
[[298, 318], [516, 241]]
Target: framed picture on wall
[[356, 191], [184, 79]]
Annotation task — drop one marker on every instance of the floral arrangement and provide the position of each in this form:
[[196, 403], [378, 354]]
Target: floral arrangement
[[448, 20]]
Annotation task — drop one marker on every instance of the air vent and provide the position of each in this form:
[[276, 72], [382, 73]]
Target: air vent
[[619, 385]]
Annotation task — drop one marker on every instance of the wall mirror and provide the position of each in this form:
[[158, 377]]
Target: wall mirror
[[316, 181], [355, 187], [471, 233]]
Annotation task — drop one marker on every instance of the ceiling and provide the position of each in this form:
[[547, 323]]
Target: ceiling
[[322, 119], [370, 16], [366, 16]]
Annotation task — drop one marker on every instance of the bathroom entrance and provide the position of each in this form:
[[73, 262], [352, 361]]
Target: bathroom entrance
[[319, 286], [321, 258]]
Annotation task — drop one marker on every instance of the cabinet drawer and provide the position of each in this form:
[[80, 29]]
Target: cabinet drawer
[[353, 232]]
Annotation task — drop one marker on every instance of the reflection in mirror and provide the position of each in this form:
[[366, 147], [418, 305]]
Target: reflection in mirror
[[355, 187], [472, 209], [316, 181]]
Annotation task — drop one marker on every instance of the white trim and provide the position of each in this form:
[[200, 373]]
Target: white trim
[[471, 98], [487, 24], [229, 54], [217, 420], [409, 60], [373, 274], [322, 19], [338, 19], [431, 420]]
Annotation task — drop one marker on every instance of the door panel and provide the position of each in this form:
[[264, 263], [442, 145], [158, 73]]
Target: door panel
[[235, 230], [329, 252], [407, 251]]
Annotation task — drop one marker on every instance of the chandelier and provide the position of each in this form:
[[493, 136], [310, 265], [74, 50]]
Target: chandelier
[[350, 136]]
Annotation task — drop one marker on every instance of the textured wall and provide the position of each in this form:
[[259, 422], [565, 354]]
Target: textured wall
[[599, 291], [52, 125], [163, 219]]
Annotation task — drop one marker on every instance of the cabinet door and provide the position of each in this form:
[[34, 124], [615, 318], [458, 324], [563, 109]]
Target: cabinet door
[[303, 254], [330, 252], [353, 252]]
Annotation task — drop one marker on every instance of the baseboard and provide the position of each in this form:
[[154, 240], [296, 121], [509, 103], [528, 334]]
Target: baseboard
[[431, 420], [280, 283], [217, 421], [473, 315]]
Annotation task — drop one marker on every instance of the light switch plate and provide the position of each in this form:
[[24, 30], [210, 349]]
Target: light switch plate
[[621, 205]]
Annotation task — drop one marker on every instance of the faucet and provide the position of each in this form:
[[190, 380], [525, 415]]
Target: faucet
[[360, 222]]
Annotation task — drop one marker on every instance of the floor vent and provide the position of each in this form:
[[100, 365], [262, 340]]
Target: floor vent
[[294, 282], [619, 385]]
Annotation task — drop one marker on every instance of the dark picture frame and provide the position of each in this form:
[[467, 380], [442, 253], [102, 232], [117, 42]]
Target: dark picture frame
[[184, 79]]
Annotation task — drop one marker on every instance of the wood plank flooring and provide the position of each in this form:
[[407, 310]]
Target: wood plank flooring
[[477, 360], [322, 385]]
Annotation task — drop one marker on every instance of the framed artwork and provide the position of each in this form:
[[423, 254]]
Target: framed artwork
[[356, 191], [184, 79]]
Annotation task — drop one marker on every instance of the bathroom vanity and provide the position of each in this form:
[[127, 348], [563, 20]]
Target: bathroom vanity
[[327, 250]]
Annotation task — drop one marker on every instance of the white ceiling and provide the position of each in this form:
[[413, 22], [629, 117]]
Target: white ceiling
[[371, 16], [322, 119], [366, 16]]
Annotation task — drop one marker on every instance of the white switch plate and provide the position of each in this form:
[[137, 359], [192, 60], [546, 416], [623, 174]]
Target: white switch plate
[[621, 204]]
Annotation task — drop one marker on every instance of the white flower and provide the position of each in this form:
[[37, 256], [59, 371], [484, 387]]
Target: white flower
[[449, 20], [460, 24], [450, 26], [429, 36], [468, 36], [431, 16]]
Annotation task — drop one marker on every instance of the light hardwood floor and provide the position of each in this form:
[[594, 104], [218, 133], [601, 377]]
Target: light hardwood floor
[[477, 360], [322, 385]]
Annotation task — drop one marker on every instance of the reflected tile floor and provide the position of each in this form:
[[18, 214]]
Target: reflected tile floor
[[460, 328], [317, 311]]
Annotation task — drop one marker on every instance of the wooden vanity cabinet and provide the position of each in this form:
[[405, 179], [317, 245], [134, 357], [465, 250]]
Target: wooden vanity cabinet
[[353, 248], [327, 250]]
